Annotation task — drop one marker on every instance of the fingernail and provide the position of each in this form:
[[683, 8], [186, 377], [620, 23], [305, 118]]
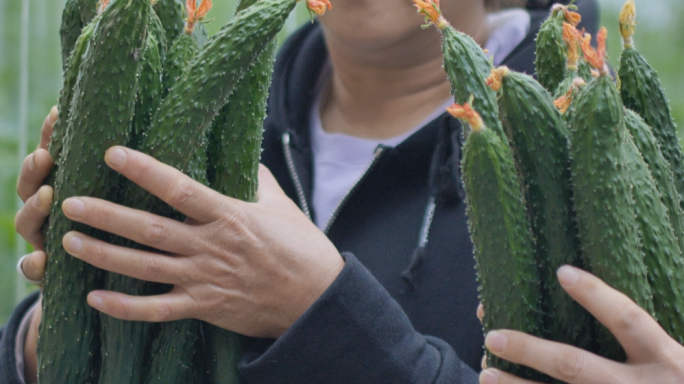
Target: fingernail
[[74, 244], [96, 302], [116, 156], [36, 201], [73, 206], [54, 114], [488, 377], [33, 162], [496, 341], [567, 275]]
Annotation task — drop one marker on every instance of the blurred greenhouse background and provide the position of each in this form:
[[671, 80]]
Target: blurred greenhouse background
[[660, 38]]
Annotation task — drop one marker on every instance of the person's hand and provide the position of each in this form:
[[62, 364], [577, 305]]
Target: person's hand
[[653, 357], [29, 222], [252, 268], [38, 198]]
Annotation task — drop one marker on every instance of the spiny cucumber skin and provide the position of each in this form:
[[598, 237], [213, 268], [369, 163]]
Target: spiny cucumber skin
[[235, 150], [170, 12], [503, 242], [565, 85], [662, 255], [550, 54], [68, 348], [66, 96], [660, 170], [119, 336], [76, 15], [181, 53], [467, 73], [539, 140], [603, 201], [157, 31], [584, 71], [642, 92]]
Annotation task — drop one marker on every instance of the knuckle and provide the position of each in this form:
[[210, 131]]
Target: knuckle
[[154, 232], [629, 317], [160, 313], [182, 191], [570, 365], [152, 267]]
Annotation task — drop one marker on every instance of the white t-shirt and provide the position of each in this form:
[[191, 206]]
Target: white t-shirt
[[341, 160]]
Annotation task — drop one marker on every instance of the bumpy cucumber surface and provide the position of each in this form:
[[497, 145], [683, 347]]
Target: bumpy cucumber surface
[[181, 53], [464, 62], [662, 254], [603, 200], [68, 348], [149, 92], [642, 92], [539, 139], [504, 246], [550, 57], [76, 15], [170, 13], [660, 170]]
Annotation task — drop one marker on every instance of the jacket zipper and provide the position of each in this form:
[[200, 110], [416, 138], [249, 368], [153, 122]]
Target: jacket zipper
[[336, 212], [294, 175]]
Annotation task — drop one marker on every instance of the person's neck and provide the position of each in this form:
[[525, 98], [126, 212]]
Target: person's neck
[[383, 94]]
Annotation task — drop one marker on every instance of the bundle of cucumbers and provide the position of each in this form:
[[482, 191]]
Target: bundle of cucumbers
[[144, 74], [575, 167]]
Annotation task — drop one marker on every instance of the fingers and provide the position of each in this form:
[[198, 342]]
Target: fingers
[[142, 227], [169, 184], [47, 129], [565, 363], [34, 265], [139, 264], [168, 307], [495, 376], [638, 333], [35, 168], [30, 219]]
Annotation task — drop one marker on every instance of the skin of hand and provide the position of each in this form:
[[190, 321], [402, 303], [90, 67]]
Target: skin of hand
[[653, 357], [29, 221]]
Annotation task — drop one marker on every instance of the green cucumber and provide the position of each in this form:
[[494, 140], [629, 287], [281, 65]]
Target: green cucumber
[[182, 122], [467, 67], [662, 255], [170, 12], [503, 241], [539, 139], [149, 91], [102, 109], [76, 15], [181, 53], [642, 92], [550, 56], [603, 200], [660, 169], [234, 153]]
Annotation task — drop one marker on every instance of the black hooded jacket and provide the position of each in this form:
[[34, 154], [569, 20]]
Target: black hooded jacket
[[403, 308]]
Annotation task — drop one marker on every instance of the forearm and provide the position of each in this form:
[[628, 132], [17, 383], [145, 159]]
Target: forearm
[[354, 333]]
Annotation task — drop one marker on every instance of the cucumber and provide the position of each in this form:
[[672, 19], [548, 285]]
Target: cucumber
[[182, 122], [642, 92], [539, 139], [234, 153], [603, 200], [119, 335], [68, 347], [170, 12], [550, 55], [662, 254], [503, 241], [65, 98], [571, 39], [181, 53], [76, 15], [660, 170]]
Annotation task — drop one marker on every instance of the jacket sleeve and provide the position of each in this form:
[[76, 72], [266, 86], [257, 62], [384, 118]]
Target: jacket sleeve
[[8, 342], [354, 333]]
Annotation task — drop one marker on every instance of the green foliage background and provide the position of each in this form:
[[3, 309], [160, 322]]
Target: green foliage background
[[660, 38]]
